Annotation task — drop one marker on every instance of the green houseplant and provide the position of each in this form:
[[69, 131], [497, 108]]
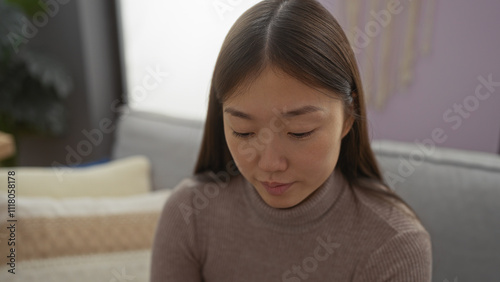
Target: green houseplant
[[33, 86]]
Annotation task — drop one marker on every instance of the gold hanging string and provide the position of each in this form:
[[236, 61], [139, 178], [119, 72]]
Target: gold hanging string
[[409, 56], [430, 9], [370, 60], [386, 68], [353, 11]]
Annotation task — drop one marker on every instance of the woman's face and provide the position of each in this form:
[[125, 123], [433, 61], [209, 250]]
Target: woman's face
[[284, 136]]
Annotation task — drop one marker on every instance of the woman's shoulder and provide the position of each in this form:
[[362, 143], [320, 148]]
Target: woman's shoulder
[[394, 236], [390, 212]]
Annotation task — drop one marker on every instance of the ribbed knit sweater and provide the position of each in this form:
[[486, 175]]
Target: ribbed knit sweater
[[218, 232]]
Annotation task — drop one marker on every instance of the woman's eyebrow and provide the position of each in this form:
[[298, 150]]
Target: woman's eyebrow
[[236, 113], [286, 114], [302, 111]]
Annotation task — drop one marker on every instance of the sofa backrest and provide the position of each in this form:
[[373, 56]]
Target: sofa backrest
[[171, 144]]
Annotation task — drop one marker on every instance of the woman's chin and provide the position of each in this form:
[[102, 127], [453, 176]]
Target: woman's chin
[[283, 201]]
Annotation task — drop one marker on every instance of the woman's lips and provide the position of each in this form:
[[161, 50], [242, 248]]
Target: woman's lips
[[276, 188]]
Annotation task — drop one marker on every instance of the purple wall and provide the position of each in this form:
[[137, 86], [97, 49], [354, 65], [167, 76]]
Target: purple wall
[[466, 45]]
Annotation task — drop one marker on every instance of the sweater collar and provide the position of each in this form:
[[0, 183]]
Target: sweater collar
[[306, 213]]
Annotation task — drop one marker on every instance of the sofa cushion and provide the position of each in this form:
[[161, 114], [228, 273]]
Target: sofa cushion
[[120, 177]]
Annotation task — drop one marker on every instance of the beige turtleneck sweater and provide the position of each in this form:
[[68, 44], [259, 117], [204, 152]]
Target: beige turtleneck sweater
[[226, 232]]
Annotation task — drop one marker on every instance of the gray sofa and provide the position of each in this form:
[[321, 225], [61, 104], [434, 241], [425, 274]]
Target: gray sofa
[[455, 193]]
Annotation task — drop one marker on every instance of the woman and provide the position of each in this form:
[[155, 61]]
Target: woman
[[286, 187]]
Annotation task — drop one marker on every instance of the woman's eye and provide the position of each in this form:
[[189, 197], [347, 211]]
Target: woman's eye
[[245, 135], [301, 135], [242, 135]]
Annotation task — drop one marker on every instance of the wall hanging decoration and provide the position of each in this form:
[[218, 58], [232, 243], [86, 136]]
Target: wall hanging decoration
[[388, 38]]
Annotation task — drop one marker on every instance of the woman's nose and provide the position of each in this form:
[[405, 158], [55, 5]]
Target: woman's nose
[[271, 158]]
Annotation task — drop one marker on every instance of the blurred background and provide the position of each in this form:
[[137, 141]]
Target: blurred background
[[422, 63]]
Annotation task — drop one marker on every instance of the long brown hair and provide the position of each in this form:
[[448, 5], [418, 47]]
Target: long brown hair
[[304, 40]]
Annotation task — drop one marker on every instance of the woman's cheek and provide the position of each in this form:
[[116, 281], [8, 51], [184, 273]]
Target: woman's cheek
[[242, 153], [320, 155]]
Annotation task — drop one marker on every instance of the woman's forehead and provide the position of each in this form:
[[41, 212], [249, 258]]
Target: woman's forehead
[[272, 84]]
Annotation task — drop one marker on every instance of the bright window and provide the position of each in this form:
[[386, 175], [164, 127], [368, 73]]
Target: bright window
[[170, 49]]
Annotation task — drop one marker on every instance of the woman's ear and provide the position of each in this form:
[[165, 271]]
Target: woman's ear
[[349, 115], [347, 125]]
